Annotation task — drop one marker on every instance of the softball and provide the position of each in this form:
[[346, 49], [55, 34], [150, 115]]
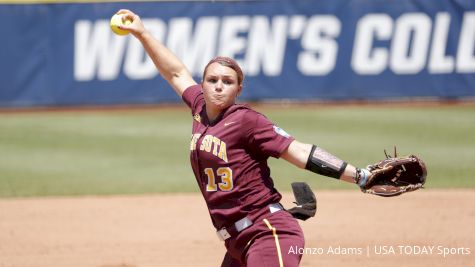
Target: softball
[[116, 20]]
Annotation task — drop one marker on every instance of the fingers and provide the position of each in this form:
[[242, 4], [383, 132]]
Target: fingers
[[135, 27], [125, 11], [127, 15]]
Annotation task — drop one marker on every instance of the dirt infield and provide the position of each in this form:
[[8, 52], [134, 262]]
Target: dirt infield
[[351, 229]]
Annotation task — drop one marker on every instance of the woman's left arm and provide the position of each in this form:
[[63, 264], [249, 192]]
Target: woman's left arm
[[321, 161]]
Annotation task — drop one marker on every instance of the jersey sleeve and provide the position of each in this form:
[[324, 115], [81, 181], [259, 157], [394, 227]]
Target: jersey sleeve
[[193, 96], [264, 137]]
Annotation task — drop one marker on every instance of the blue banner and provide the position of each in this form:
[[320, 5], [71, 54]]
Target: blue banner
[[65, 53]]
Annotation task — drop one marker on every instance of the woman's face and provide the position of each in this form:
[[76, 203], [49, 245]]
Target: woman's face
[[220, 86]]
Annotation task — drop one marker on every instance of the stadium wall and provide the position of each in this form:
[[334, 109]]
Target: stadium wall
[[63, 53]]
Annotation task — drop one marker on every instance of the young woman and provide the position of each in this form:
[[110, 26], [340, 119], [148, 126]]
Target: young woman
[[229, 149]]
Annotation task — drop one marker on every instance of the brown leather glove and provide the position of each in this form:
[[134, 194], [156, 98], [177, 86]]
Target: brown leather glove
[[392, 176]]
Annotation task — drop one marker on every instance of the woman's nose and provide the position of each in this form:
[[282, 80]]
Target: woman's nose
[[219, 86]]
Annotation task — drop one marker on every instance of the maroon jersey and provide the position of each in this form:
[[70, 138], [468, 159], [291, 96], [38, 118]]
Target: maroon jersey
[[229, 158]]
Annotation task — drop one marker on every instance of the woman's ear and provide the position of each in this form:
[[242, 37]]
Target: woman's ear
[[239, 90]]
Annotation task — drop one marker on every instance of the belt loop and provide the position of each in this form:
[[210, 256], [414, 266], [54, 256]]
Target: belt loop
[[275, 207], [223, 234], [242, 224]]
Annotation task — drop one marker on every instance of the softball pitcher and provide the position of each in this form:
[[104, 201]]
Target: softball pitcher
[[229, 148]]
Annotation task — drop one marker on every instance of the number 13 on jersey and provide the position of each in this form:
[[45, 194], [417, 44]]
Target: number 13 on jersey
[[226, 183]]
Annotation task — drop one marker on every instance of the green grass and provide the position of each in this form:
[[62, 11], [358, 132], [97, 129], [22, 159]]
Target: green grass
[[144, 151]]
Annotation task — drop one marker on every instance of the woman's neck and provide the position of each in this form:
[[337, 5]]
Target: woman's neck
[[212, 114]]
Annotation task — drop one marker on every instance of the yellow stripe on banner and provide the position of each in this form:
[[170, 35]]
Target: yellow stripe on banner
[[277, 244], [33, 2]]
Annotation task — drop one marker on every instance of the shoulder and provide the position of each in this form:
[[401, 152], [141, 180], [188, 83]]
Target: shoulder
[[193, 96], [254, 118], [244, 112], [253, 121]]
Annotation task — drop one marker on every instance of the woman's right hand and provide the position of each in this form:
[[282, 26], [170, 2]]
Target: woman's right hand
[[136, 27]]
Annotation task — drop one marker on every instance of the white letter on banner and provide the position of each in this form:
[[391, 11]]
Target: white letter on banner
[[439, 62], [466, 47], [96, 48], [409, 57], [230, 43], [365, 59], [138, 65], [266, 46], [194, 49], [321, 48]]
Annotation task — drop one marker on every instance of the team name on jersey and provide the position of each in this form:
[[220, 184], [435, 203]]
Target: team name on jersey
[[210, 144]]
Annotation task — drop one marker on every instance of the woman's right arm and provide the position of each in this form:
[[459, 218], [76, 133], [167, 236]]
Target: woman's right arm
[[298, 154], [170, 67]]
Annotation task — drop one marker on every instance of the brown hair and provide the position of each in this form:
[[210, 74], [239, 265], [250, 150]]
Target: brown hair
[[227, 62]]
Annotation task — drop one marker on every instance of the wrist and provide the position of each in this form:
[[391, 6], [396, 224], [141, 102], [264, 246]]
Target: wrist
[[142, 35], [362, 177]]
